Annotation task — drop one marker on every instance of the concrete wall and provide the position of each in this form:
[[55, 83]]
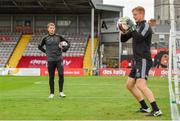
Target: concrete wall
[[110, 40], [161, 11], [5, 21]]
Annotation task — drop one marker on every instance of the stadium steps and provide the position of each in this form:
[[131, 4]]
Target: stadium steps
[[18, 51], [87, 63]]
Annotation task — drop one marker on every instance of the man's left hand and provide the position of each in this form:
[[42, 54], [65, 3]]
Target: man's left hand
[[131, 24]]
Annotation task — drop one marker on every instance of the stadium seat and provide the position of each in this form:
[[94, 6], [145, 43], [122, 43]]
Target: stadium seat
[[8, 42], [78, 45]]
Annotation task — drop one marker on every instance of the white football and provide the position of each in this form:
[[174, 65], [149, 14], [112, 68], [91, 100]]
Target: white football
[[122, 24], [63, 44]]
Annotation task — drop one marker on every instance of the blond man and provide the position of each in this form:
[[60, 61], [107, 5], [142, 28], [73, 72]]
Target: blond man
[[141, 34]]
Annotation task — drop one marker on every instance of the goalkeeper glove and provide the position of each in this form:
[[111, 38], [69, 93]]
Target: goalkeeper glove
[[131, 24]]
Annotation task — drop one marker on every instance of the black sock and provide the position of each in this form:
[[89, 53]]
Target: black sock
[[154, 106], [143, 104]]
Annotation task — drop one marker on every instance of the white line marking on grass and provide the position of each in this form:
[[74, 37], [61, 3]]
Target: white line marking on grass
[[76, 97], [45, 83], [85, 120], [39, 82], [107, 97]]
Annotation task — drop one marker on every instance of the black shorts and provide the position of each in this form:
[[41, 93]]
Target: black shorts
[[141, 69]]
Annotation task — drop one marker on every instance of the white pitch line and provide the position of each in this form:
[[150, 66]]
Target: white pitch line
[[75, 97], [85, 120], [45, 83]]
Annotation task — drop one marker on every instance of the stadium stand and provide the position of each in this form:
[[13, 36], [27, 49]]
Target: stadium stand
[[24, 29], [31, 49], [34, 58], [71, 16], [78, 45], [8, 42]]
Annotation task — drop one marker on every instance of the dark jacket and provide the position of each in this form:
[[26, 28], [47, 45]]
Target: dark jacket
[[52, 49], [141, 40]]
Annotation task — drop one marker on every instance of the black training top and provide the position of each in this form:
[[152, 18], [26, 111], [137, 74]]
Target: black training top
[[141, 40], [53, 51]]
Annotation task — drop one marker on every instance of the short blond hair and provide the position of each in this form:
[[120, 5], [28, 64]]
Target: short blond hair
[[139, 8], [50, 24]]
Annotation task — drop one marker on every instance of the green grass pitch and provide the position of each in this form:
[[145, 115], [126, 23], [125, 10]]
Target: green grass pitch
[[88, 98]]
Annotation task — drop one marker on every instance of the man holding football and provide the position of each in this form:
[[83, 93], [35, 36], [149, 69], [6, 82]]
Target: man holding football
[[55, 45], [141, 34]]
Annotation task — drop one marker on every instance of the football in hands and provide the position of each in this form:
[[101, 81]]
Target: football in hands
[[122, 24]]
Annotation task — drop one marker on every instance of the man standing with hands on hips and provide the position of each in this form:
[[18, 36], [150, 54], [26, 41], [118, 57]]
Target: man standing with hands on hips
[[54, 46]]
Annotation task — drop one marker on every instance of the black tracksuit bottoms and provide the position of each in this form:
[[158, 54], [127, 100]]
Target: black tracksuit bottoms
[[52, 65]]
